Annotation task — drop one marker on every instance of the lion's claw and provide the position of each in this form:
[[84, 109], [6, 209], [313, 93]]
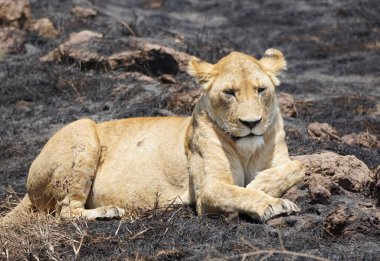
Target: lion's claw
[[280, 206]]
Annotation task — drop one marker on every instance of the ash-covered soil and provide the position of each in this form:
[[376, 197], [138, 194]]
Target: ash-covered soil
[[333, 54]]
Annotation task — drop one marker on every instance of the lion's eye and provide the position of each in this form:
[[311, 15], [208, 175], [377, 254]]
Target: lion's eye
[[230, 92], [261, 90]]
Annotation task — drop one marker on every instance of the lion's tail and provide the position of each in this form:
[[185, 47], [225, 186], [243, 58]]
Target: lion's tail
[[22, 208]]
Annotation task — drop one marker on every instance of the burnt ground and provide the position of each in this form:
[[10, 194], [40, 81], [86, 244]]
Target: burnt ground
[[333, 53]]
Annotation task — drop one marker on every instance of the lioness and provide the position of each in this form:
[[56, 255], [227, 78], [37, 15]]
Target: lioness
[[229, 156]]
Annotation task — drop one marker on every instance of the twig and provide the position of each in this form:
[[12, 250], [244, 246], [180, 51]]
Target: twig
[[175, 212], [334, 136], [77, 250], [81, 232], [7, 253], [140, 233], [51, 256], [280, 252], [130, 232], [280, 239], [245, 241], [266, 256], [117, 230]]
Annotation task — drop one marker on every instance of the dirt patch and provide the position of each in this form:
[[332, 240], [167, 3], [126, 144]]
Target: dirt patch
[[333, 76]]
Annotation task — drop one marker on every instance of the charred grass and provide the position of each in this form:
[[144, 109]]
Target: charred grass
[[333, 55]]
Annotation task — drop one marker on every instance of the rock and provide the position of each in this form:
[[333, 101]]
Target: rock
[[86, 49], [350, 220], [336, 220], [11, 40], [14, 18], [15, 13], [83, 12], [154, 55], [320, 188], [181, 57], [183, 101], [287, 105], [322, 131], [24, 106], [137, 76], [123, 59], [301, 222], [151, 62], [44, 27], [363, 139], [31, 49], [76, 49], [348, 172], [167, 79], [295, 194], [154, 4]]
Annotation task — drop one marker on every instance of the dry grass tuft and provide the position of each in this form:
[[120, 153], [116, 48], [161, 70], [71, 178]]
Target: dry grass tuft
[[40, 236], [37, 235]]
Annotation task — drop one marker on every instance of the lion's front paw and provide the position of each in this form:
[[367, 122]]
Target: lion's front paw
[[278, 207], [108, 212]]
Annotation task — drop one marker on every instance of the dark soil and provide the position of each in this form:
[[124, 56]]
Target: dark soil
[[333, 54]]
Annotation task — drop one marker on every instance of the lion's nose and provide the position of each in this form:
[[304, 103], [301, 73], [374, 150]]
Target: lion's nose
[[250, 124]]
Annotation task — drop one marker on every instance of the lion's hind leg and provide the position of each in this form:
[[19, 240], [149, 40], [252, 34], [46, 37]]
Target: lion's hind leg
[[60, 179], [73, 203]]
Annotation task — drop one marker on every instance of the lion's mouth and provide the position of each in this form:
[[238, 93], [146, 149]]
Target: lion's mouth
[[250, 135]]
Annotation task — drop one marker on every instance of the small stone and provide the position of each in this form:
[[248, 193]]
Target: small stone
[[336, 221], [24, 106], [73, 48], [137, 76], [183, 101], [319, 188], [83, 12], [322, 131], [287, 105], [44, 27], [167, 79], [295, 194], [352, 219], [154, 4], [363, 139], [11, 40], [15, 13]]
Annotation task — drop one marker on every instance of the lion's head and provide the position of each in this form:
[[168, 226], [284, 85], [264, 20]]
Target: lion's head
[[240, 91]]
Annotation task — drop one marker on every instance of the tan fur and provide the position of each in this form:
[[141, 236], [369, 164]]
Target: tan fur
[[100, 170]]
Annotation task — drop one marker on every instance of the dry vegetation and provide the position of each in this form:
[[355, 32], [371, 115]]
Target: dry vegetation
[[37, 236]]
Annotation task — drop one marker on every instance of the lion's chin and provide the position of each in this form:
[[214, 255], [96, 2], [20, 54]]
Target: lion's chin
[[247, 145]]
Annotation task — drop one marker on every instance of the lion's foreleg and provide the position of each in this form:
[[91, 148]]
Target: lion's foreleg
[[253, 202], [215, 191], [276, 181]]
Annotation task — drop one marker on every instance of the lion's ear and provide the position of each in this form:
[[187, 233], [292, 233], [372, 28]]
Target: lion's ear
[[273, 62], [202, 71]]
